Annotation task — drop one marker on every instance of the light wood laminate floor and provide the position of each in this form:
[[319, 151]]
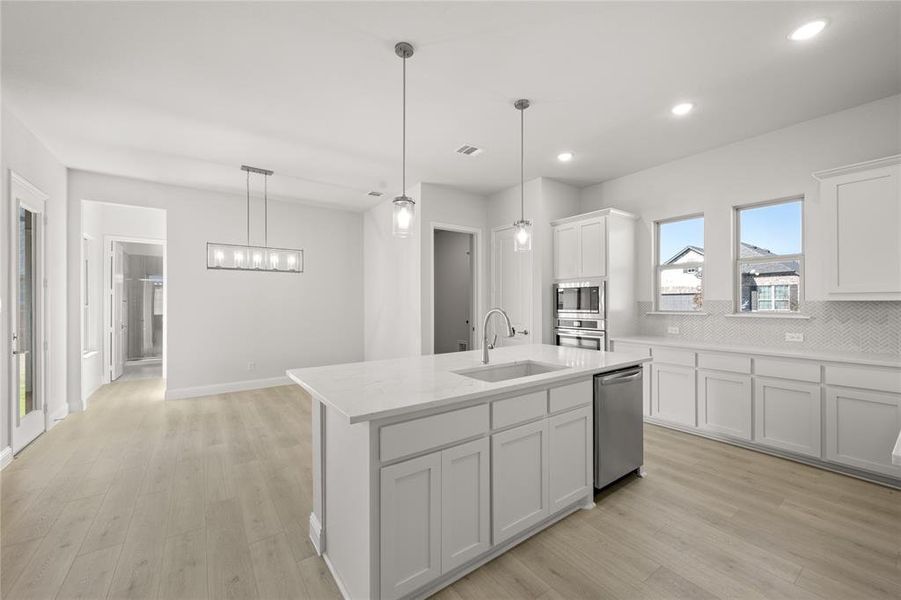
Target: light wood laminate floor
[[209, 498]]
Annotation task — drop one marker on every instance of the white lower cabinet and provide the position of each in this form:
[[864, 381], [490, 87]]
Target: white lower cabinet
[[724, 403], [571, 439], [861, 428], [787, 415], [410, 531], [465, 503], [673, 393], [519, 479]]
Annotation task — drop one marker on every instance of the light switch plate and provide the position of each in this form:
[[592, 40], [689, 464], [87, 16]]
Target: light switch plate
[[673, 329], [794, 337]]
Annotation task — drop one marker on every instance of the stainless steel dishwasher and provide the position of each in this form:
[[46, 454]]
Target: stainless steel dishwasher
[[618, 425]]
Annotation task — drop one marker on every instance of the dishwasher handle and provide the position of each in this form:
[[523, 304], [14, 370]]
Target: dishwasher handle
[[620, 377]]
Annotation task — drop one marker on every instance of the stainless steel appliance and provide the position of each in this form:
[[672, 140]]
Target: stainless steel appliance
[[580, 318], [618, 425]]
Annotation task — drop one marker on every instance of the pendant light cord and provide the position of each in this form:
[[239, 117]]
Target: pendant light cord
[[403, 191], [522, 161], [248, 208], [265, 210]]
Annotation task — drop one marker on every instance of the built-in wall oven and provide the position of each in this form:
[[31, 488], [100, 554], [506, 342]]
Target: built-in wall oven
[[580, 314]]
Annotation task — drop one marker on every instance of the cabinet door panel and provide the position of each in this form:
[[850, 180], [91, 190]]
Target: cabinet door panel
[[593, 248], [787, 415], [862, 428], [674, 394], [465, 502], [566, 252], [571, 441], [410, 524], [724, 403], [519, 479]]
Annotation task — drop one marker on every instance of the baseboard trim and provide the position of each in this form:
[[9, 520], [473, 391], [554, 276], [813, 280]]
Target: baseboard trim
[[225, 388], [316, 534], [61, 413], [6, 457]]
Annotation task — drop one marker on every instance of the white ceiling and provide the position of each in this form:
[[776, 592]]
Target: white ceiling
[[186, 92]]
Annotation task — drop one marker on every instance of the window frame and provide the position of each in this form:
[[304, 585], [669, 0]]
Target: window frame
[[659, 268], [738, 261]]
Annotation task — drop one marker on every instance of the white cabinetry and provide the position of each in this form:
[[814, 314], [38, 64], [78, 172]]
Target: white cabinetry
[[673, 393], [580, 249], [410, 525], [863, 209], [788, 415], [724, 403], [566, 251], [465, 503], [571, 439], [519, 479], [862, 427]]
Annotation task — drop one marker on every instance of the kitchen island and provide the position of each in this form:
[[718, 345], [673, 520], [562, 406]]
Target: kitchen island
[[425, 468]]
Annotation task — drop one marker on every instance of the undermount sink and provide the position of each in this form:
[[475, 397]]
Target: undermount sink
[[506, 371]]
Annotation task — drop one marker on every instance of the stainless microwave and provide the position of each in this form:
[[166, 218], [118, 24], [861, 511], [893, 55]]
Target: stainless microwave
[[584, 298]]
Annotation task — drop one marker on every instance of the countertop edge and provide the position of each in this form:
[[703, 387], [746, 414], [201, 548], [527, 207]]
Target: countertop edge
[[821, 356], [548, 379], [896, 453]]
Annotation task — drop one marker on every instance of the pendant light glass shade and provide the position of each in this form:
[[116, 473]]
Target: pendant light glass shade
[[522, 236], [403, 218]]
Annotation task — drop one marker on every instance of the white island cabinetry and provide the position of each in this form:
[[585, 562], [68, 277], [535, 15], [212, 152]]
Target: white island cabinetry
[[457, 471]]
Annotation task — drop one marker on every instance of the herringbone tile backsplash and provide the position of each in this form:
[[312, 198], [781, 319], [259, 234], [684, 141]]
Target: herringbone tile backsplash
[[872, 327]]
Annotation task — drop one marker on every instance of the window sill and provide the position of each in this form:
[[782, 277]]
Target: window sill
[[676, 313], [90, 353], [767, 316]]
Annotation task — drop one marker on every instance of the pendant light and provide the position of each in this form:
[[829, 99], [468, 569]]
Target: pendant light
[[404, 206], [522, 238], [244, 257]]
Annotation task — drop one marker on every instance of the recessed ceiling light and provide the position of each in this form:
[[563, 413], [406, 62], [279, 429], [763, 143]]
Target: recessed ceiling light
[[680, 110], [807, 30], [565, 156]]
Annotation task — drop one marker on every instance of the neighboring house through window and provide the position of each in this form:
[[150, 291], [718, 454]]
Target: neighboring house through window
[[769, 257], [680, 264]]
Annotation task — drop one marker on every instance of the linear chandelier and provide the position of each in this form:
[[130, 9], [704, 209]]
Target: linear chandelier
[[245, 257]]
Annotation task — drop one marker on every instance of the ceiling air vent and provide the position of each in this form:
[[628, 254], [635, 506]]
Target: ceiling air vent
[[374, 194], [467, 150]]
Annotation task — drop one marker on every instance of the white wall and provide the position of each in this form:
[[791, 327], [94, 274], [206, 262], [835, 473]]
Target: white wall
[[453, 290], [24, 154], [774, 165], [219, 321], [392, 312], [100, 220], [442, 205]]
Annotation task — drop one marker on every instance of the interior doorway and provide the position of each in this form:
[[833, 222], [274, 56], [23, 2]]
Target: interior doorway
[[136, 288], [28, 323], [454, 290]]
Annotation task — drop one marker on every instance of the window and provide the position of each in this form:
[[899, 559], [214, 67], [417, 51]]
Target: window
[[769, 257], [680, 264]]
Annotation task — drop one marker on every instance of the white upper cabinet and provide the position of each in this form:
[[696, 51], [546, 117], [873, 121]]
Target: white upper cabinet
[[862, 204], [580, 249]]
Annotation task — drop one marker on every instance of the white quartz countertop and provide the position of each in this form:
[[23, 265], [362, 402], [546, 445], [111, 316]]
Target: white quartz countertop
[[860, 358], [377, 389]]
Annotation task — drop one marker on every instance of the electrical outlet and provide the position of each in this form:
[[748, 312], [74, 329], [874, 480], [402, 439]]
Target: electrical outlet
[[251, 366], [794, 337], [673, 329]]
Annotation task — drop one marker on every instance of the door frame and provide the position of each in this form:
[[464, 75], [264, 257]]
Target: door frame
[[107, 349], [38, 200], [534, 329], [475, 342]]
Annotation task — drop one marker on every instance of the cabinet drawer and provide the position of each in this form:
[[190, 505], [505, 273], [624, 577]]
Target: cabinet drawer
[[571, 396], [786, 368], [430, 432], [630, 347], [518, 410], [870, 378], [724, 362], [673, 356]]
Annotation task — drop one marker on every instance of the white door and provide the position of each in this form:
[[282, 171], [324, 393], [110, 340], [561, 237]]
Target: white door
[[511, 288], [465, 503], [724, 403], [673, 393], [862, 428], [593, 248], [566, 251], [410, 525], [119, 312], [519, 479], [787, 415], [571, 453], [27, 313]]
